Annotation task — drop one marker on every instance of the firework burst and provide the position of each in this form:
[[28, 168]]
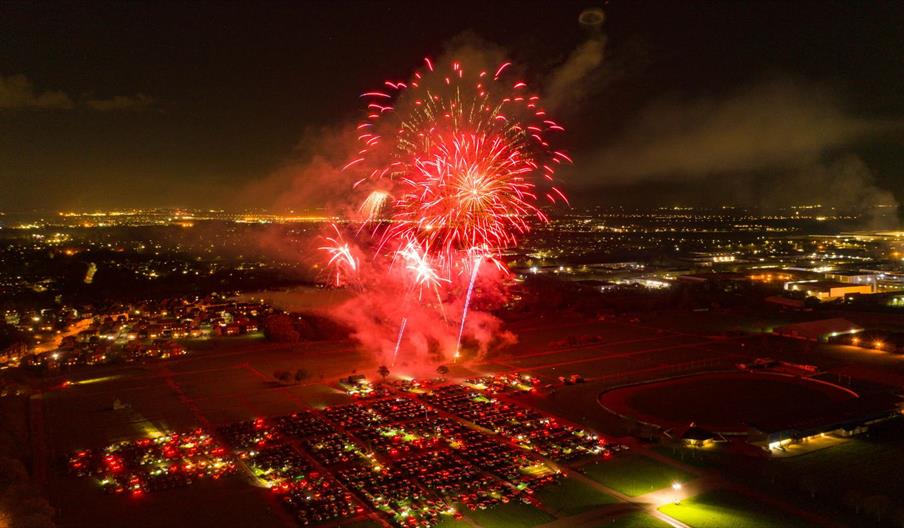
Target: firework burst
[[372, 207], [452, 169], [466, 157], [342, 263]]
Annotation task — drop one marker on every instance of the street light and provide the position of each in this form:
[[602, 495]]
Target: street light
[[676, 487]]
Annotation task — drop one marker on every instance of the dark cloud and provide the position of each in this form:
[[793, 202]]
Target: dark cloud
[[569, 83], [773, 125], [18, 92], [769, 145], [240, 83], [844, 183], [120, 102]]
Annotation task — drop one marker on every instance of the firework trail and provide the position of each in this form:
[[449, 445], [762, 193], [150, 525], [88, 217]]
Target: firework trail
[[451, 164], [464, 313], [395, 353]]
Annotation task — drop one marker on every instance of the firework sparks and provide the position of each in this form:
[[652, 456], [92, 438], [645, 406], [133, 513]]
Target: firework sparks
[[468, 191], [417, 261], [455, 165], [465, 155], [341, 259], [464, 313], [373, 205], [395, 353]]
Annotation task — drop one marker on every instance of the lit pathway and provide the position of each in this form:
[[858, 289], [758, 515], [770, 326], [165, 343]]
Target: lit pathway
[[717, 480]]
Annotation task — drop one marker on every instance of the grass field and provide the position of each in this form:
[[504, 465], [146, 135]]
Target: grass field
[[880, 476], [633, 520], [511, 515], [829, 480], [701, 458], [221, 343], [725, 401], [634, 475], [721, 509], [570, 497]]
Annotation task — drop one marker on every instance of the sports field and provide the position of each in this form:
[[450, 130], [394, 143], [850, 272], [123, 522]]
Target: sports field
[[726, 402]]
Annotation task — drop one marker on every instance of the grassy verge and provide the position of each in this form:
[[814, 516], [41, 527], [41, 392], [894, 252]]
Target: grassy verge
[[633, 520], [571, 497], [634, 475], [720, 509], [511, 515]]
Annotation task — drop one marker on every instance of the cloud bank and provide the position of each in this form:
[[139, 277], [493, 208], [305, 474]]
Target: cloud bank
[[120, 102], [770, 144], [774, 124], [572, 80], [17, 92]]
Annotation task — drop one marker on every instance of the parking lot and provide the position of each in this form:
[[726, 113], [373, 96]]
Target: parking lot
[[412, 458]]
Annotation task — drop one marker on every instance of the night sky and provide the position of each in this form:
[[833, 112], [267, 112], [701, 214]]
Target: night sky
[[701, 103]]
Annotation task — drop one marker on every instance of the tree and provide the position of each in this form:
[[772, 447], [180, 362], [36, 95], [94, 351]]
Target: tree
[[280, 328], [442, 370], [383, 371], [300, 375]]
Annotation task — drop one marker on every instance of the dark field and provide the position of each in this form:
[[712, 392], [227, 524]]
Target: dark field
[[725, 402], [230, 380]]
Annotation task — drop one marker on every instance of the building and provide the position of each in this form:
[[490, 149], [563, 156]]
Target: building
[[853, 277], [693, 436], [786, 302], [825, 290], [820, 330], [715, 277], [846, 419], [709, 258], [12, 352]]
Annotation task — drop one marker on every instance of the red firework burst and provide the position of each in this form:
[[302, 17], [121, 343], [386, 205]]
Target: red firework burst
[[467, 192], [455, 162]]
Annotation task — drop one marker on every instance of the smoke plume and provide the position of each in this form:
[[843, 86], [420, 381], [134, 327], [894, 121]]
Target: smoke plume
[[767, 144], [384, 301], [770, 125], [570, 82]]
